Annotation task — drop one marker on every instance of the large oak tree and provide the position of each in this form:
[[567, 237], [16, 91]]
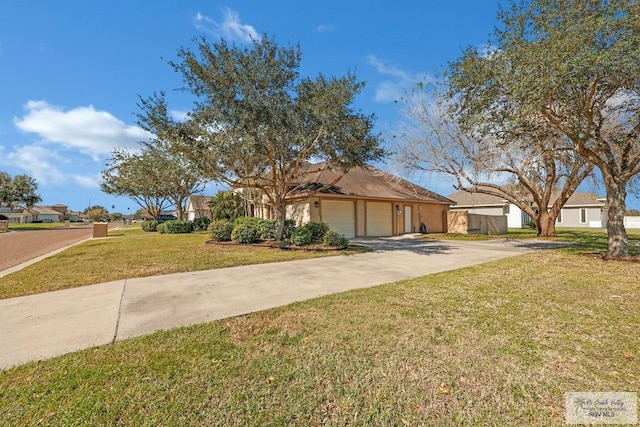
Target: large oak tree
[[536, 173], [256, 121], [572, 66], [20, 189]]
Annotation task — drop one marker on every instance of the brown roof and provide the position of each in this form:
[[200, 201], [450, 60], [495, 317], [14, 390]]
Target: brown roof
[[364, 182], [465, 198], [200, 203]]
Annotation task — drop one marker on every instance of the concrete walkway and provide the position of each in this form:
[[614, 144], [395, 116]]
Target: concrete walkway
[[41, 326]]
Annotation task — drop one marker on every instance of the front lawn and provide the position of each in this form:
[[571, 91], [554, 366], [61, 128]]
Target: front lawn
[[495, 344], [130, 252]]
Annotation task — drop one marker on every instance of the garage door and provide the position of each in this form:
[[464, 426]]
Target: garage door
[[340, 216], [379, 219]]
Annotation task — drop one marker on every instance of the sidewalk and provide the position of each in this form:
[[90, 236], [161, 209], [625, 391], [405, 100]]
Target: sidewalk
[[41, 326]]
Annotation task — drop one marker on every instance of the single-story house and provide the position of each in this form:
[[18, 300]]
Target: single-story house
[[47, 214], [198, 207], [365, 201], [17, 215], [583, 209]]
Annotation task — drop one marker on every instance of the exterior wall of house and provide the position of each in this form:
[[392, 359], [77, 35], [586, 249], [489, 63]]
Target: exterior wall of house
[[514, 217], [573, 217], [481, 210], [434, 217], [632, 221], [300, 212], [364, 215]]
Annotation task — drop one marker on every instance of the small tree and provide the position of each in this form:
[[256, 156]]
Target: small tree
[[226, 205], [256, 121], [96, 213]]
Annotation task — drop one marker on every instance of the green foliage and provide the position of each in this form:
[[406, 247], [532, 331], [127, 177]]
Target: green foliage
[[289, 228], [220, 230], [227, 205], [161, 228], [302, 236], [151, 226], [633, 212], [176, 226], [245, 232], [20, 189], [332, 238], [268, 118], [311, 232], [268, 229], [96, 213], [201, 224]]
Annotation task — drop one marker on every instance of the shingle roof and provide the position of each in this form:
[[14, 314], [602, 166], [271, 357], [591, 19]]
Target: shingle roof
[[464, 198], [200, 203], [366, 182]]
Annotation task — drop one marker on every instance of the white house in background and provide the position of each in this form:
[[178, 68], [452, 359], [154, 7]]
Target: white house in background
[[47, 214], [198, 207], [583, 209]]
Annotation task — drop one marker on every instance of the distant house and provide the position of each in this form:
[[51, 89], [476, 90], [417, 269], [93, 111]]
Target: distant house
[[366, 201], [583, 209], [47, 214], [198, 207], [17, 215]]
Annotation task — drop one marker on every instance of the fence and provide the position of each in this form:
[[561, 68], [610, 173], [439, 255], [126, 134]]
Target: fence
[[463, 222]]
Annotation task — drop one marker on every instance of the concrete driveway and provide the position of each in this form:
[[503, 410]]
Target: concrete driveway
[[42, 326]]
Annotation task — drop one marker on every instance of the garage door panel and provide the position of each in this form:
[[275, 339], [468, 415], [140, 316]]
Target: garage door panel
[[340, 216], [379, 219]]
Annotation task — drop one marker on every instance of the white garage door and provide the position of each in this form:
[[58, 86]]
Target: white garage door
[[379, 219], [340, 216]]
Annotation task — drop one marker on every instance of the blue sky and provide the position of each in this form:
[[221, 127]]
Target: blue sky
[[71, 72]]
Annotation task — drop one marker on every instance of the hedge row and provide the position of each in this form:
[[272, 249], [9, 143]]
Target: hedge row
[[176, 226], [251, 230]]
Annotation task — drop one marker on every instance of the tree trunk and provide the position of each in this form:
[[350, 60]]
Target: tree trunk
[[280, 210], [616, 204], [546, 225]]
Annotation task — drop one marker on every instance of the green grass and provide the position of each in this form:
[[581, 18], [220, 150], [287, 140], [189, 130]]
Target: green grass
[[495, 344], [130, 252]]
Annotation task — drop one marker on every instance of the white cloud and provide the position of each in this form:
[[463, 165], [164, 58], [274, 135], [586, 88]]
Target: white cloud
[[87, 181], [231, 28], [92, 132], [38, 162], [393, 88], [181, 116], [323, 28]]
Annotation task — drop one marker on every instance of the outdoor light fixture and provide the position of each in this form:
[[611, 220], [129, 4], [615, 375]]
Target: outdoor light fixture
[[316, 204]]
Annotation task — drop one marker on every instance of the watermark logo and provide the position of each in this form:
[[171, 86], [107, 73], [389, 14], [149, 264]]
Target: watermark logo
[[601, 408]]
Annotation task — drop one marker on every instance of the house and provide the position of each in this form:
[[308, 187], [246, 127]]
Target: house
[[583, 209], [17, 215], [198, 207], [365, 201], [47, 214]]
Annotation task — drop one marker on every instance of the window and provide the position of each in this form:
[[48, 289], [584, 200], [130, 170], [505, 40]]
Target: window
[[583, 215], [559, 218]]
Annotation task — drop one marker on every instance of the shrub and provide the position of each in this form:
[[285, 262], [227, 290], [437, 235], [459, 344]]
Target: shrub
[[289, 228], [267, 229], [302, 236], [201, 224], [220, 230], [245, 233], [161, 228], [331, 238], [151, 226], [176, 226], [318, 230], [311, 232]]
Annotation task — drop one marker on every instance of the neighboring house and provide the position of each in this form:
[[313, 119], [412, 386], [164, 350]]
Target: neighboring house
[[17, 215], [47, 214], [583, 209], [198, 207], [366, 202]]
